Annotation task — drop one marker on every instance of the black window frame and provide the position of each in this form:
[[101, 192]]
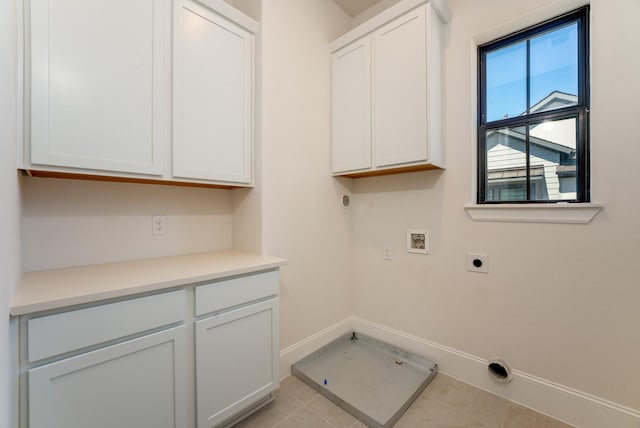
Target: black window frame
[[580, 111]]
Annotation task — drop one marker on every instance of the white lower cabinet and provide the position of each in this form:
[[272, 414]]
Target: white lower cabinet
[[236, 362], [237, 345], [130, 363], [118, 364], [139, 383]]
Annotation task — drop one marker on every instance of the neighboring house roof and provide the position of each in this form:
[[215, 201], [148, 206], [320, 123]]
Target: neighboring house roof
[[555, 99], [517, 172], [562, 99], [532, 140]]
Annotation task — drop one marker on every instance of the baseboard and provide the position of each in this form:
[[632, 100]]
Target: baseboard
[[301, 349], [558, 401]]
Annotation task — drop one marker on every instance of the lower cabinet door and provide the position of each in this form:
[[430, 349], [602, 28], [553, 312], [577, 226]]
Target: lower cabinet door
[[135, 384], [236, 361]]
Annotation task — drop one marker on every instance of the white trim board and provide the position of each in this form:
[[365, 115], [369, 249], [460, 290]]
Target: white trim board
[[439, 6], [558, 401], [579, 213], [306, 346]]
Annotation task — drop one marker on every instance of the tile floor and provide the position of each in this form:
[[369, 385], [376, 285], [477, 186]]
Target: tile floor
[[446, 402]]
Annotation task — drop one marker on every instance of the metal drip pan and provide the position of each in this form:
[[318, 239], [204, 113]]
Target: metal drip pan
[[373, 381]]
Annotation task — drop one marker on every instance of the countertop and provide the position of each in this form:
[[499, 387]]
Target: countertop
[[58, 288]]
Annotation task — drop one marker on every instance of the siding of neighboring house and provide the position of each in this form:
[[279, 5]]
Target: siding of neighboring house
[[506, 151], [506, 157]]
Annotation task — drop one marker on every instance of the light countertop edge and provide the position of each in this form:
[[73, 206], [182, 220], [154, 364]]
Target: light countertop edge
[[58, 288]]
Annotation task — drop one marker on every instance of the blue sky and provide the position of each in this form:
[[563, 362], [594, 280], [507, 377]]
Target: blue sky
[[553, 67]]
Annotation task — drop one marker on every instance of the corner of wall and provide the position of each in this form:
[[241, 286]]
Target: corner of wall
[[10, 263], [247, 204], [252, 8], [247, 219]]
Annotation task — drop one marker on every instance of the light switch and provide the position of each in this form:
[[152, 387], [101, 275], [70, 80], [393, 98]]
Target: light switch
[[387, 251]]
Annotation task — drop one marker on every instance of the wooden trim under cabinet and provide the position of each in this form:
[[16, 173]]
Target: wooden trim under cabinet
[[91, 177], [389, 171]]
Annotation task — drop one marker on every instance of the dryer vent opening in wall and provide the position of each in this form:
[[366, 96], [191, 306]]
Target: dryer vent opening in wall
[[345, 201], [499, 371]]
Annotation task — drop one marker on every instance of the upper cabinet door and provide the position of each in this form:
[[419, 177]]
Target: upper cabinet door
[[213, 103], [97, 84], [351, 107], [400, 88]]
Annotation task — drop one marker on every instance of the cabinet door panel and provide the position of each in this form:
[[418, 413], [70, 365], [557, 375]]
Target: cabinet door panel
[[97, 76], [213, 75], [139, 383], [400, 90], [351, 107], [236, 361]]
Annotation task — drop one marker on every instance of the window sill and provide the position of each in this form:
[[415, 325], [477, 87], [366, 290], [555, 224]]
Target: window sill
[[528, 213]]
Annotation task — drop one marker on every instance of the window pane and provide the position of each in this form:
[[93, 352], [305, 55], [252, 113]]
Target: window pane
[[554, 69], [538, 82], [506, 164], [506, 82], [553, 159], [516, 192]]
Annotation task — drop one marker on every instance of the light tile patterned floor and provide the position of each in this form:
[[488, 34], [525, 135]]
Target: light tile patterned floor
[[445, 403]]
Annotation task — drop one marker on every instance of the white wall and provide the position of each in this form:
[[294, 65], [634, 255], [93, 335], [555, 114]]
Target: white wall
[[561, 301], [251, 8], [303, 220], [9, 201], [74, 222], [374, 10]]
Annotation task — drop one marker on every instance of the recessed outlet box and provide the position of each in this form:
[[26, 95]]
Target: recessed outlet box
[[477, 262], [159, 225], [417, 241]]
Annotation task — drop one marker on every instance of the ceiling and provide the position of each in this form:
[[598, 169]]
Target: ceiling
[[354, 7]]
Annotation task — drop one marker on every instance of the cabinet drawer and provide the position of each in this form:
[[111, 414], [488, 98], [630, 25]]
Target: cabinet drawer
[[56, 334], [224, 294]]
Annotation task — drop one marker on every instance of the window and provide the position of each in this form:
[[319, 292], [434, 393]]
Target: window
[[533, 112]]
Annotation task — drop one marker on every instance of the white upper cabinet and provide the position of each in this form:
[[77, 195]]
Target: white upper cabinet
[[400, 87], [108, 81], [97, 84], [387, 92], [351, 100], [213, 95]]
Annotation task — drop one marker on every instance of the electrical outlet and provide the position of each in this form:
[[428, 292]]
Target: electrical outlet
[[387, 251], [159, 225], [478, 262]]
